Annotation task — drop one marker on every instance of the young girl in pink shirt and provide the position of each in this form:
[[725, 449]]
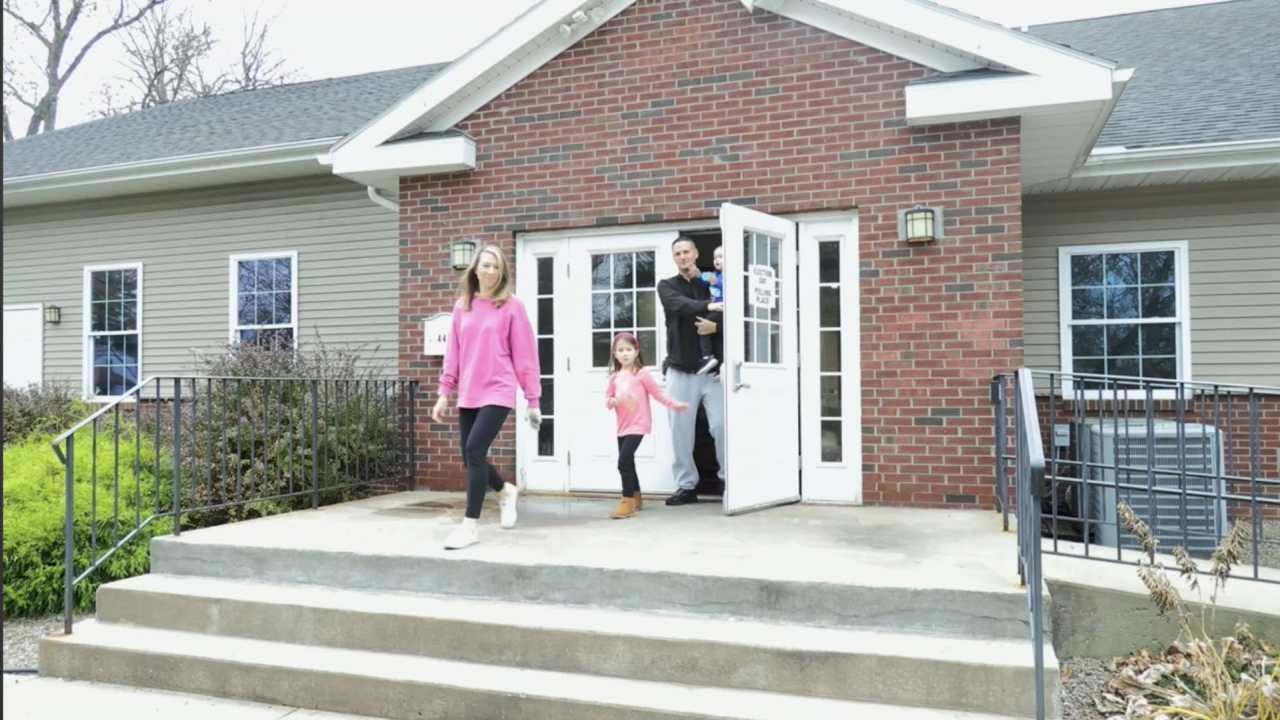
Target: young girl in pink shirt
[[627, 394], [490, 352]]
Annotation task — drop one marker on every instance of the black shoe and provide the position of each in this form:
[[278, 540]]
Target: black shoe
[[683, 497], [708, 364]]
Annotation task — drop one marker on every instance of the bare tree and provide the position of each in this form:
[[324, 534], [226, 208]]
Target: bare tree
[[259, 66], [168, 58], [53, 31]]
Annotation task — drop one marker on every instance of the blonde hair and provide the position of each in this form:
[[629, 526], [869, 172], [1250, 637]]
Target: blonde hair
[[470, 284]]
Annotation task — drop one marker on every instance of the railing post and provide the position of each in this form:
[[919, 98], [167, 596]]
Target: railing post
[[68, 554], [413, 438], [315, 444], [1002, 476], [177, 456]]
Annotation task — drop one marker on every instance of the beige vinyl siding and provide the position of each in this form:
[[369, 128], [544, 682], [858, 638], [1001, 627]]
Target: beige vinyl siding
[[1232, 232], [348, 266]]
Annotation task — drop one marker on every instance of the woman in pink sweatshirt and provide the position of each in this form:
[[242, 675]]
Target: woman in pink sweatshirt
[[490, 351], [627, 394]]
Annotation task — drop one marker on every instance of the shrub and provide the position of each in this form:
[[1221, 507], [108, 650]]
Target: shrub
[[49, 409], [1198, 677], [34, 502], [252, 438]]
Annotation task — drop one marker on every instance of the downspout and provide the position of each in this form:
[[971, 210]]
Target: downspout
[[378, 198]]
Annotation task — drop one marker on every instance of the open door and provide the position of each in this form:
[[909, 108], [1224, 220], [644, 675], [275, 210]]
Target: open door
[[762, 398]]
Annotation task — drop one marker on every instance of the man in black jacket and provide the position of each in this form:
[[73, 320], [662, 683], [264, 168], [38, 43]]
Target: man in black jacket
[[686, 300]]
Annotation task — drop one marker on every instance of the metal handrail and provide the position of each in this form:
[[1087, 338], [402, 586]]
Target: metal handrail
[[385, 408], [1030, 490], [1233, 413]]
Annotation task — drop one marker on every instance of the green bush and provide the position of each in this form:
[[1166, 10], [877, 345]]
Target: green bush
[[252, 438], [34, 502], [51, 409]]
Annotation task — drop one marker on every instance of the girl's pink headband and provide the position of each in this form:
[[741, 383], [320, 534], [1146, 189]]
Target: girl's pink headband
[[623, 336]]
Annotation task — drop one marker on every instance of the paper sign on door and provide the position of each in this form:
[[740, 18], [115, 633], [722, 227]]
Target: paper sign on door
[[763, 286]]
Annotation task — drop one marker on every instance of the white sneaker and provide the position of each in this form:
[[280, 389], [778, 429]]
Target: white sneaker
[[461, 537], [507, 504]]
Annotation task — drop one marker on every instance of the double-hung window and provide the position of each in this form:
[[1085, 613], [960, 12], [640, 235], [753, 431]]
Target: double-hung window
[[113, 328], [1124, 311], [264, 299]]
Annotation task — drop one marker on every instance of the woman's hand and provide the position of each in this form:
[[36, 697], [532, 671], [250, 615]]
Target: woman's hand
[[442, 406], [534, 416]]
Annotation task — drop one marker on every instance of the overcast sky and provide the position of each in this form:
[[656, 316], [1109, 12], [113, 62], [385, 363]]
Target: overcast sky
[[331, 38]]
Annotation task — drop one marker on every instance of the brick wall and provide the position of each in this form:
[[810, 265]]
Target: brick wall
[[765, 112]]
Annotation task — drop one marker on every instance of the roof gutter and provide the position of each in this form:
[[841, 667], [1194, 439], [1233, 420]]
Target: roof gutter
[[379, 199], [1121, 161], [184, 171]]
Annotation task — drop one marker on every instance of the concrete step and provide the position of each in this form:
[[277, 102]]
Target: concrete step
[[896, 668], [798, 592], [401, 687]]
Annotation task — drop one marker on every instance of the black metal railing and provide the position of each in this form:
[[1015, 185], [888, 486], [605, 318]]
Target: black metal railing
[[1029, 475], [1191, 459], [201, 451]]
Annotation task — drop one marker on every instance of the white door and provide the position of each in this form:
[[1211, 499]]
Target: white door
[[580, 292], [762, 454], [612, 288], [23, 345]]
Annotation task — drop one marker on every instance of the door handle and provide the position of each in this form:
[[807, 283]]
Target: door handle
[[737, 377]]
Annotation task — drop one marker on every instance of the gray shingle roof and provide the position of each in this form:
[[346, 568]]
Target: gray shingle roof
[[1204, 73], [236, 121]]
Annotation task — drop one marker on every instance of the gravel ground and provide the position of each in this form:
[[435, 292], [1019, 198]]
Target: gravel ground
[[22, 638], [1268, 553], [1082, 680]]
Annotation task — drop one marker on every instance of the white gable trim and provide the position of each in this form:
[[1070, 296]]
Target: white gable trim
[[928, 34]]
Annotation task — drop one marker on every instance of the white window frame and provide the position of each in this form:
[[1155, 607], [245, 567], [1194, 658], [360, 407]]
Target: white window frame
[[823, 481], [86, 330], [1182, 293], [233, 303]]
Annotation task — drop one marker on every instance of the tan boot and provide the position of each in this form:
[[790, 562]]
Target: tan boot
[[639, 500], [625, 509]]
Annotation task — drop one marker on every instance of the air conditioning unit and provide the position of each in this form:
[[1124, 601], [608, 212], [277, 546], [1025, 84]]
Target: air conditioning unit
[[1194, 522]]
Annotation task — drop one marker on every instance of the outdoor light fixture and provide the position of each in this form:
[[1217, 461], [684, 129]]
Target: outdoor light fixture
[[920, 225], [577, 18], [461, 252], [53, 314]]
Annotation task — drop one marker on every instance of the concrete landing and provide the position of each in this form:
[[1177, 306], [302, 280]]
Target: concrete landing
[[889, 547], [936, 571]]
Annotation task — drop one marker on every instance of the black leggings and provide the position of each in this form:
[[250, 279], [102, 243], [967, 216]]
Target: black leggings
[[627, 446], [479, 428]]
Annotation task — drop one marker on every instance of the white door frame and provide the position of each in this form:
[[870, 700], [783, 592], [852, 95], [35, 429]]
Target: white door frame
[[836, 482], [830, 482], [39, 308]]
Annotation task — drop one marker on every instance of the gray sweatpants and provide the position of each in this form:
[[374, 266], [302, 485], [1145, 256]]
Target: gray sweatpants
[[694, 389]]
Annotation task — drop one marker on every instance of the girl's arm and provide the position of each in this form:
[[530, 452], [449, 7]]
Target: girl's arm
[[611, 392], [449, 375], [656, 392], [524, 353]]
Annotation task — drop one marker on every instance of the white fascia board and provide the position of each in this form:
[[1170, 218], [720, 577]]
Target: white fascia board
[[828, 17], [450, 153], [213, 165], [969, 35], [541, 22], [964, 100], [1201, 156]]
